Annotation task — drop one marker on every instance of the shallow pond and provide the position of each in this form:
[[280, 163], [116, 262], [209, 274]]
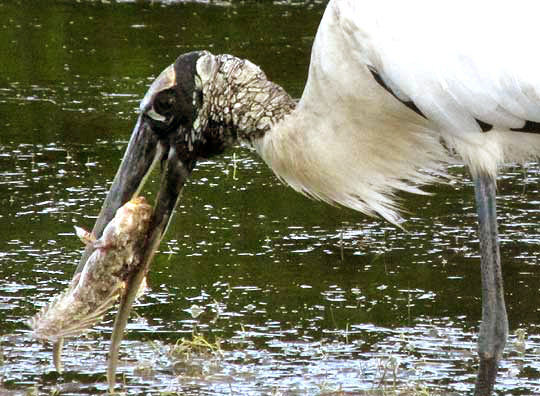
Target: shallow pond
[[301, 298]]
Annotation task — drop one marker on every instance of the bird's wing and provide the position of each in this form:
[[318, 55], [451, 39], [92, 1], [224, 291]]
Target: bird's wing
[[458, 59], [351, 142], [460, 62]]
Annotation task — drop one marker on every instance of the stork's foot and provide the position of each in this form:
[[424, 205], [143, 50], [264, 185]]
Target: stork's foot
[[491, 342], [487, 373]]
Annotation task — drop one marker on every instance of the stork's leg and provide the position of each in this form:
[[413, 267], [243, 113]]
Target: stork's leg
[[494, 327]]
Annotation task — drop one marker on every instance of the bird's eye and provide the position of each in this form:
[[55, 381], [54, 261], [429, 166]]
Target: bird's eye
[[164, 102]]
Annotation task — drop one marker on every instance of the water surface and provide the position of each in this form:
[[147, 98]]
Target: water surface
[[306, 299]]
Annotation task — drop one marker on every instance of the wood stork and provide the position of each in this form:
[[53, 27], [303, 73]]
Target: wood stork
[[392, 87]]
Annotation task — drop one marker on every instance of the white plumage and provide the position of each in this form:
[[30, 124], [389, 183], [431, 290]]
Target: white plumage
[[351, 142]]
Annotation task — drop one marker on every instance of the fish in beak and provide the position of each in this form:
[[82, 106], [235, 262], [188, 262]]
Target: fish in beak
[[93, 291]]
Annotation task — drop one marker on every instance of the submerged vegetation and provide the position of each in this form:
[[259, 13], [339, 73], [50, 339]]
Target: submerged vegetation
[[201, 359], [204, 360]]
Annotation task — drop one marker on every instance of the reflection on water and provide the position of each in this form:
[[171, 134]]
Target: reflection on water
[[305, 298]]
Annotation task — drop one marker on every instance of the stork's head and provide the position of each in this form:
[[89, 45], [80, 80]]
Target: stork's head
[[196, 108], [176, 110]]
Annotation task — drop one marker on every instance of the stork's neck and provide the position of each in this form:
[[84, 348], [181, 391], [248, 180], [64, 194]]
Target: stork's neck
[[239, 102]]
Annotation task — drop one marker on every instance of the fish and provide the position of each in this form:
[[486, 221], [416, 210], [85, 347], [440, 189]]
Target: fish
[[92, 292]]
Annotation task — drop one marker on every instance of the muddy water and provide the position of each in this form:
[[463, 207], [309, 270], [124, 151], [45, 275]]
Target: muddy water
[[306, 299]]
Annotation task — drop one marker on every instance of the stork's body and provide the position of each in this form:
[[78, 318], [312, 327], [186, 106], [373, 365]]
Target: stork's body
[[452, 66], [389, 83]]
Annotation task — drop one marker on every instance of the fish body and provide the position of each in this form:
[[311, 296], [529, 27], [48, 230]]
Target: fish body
[[94, 290]]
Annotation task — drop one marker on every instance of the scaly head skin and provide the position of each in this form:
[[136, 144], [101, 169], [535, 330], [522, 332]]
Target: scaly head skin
[[204, 103], [236, 95]]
